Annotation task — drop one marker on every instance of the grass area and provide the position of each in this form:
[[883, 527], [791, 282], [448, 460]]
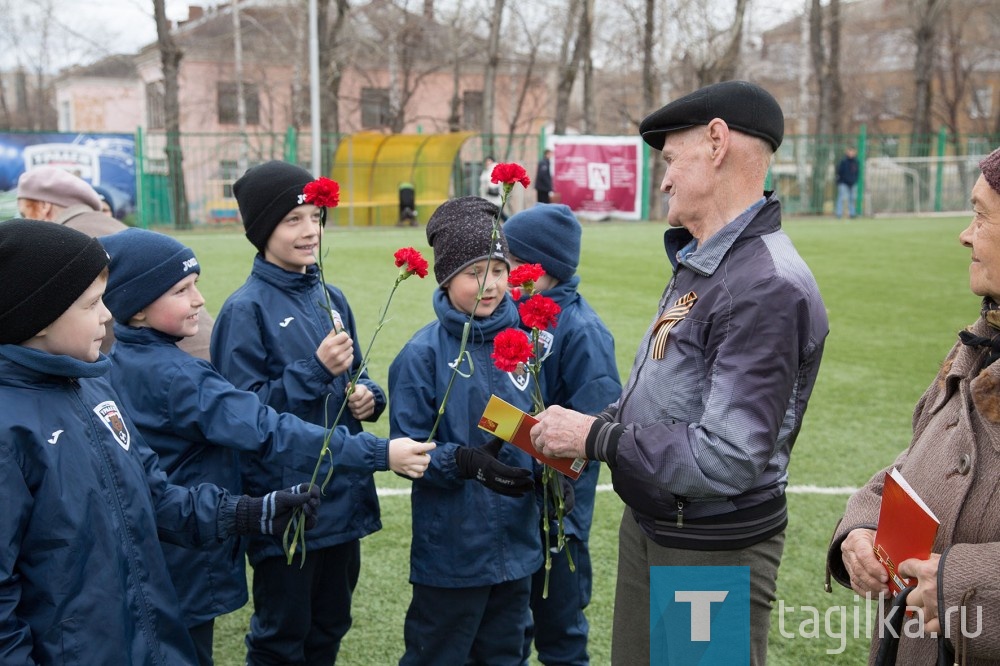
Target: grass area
[[897, 294]]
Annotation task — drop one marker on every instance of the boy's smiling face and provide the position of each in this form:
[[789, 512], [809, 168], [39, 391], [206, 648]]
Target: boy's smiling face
[[464, 287], [294, 242], [176, 311], [79, 331]]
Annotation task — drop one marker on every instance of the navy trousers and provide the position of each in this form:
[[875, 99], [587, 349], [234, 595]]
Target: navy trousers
[[301, 614], [466, 625], [557, 624]]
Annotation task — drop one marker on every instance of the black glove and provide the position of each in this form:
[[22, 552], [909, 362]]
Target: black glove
[[480, 463], [271, 513]]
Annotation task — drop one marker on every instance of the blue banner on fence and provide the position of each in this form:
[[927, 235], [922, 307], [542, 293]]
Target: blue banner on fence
[[107, 160], [699, 615]]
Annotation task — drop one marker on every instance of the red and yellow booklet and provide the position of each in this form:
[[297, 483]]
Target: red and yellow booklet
[[906, 528], [513, 425]]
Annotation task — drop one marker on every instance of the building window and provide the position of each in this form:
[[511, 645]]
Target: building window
[[156, 115], [472, 109], [374, 107], [65, 117], [982, 103], [892, 99], [227, 97]]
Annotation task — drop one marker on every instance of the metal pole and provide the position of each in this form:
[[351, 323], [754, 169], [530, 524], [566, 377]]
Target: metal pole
[[317, 157]]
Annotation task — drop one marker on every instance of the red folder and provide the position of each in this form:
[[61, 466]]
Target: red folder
[[906, 528], [513, 425]]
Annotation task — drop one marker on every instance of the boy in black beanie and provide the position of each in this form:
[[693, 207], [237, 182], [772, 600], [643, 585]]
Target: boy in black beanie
[[199, 423], [84, 576], [579, 373], [475, 537], [274, 337]]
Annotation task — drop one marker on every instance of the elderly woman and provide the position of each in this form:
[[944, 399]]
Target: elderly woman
[[953, 463]]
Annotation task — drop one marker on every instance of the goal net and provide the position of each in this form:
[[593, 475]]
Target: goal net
[[919, 185]]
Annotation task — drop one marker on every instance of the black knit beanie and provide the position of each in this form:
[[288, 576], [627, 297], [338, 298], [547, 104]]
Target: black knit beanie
[[44, 268], [460, 232], [144, 266], [546, 234], [265, 194]]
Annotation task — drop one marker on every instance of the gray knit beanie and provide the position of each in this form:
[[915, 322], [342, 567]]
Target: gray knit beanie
[[460, 232], [990, 166], [546, 234]]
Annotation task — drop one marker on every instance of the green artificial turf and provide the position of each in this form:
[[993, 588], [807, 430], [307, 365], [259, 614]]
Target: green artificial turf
[[897, 294]]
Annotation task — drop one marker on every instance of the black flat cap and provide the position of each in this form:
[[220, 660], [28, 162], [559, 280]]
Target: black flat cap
[[745, 107]]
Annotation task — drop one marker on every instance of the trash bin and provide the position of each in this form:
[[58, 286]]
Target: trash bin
[[407, 205]]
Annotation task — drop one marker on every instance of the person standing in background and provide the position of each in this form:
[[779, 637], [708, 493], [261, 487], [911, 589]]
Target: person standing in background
[[847, 184], [543, 177]]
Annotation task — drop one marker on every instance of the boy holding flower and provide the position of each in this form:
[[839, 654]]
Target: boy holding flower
[[198, 423], [579, 372], [290, 338], [475, 541]]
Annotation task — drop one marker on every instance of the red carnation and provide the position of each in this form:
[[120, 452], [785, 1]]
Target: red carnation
[[411, 261], [508, 174], [511, 348], [322, 192], [516, 294], [525, 275], [539, 312]]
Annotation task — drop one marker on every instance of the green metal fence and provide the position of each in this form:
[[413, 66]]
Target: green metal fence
[[212, 162], [900, 174]]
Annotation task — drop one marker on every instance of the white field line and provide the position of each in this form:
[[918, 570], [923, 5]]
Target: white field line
[[606, 487]]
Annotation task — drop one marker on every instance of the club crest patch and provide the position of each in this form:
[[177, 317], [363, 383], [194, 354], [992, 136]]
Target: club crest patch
[[111, 417], [519, 380], [545, 339]]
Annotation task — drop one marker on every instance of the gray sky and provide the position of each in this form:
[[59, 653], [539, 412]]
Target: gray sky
[[90, 29]]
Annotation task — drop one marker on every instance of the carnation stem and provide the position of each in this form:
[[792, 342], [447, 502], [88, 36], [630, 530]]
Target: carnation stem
[[298, 536]]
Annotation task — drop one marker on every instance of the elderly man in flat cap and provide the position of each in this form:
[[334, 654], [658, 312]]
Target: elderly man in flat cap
[[51, 194], [699, 441], [55, 195], [953, 463]]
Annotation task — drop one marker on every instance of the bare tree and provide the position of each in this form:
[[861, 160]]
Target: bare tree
[[570, 54], [587, 59], [490, 74], [648, 40], [718, 57], [824, 48], [170, 59], [926, 16], [527, 79], [331, 28]]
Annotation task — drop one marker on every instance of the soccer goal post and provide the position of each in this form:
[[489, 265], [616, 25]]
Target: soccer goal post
[[919, 185]]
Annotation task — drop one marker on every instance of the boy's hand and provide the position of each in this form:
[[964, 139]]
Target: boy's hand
[[336, 352], [409, 457], [480, 463], [361, 402], [271, 513]]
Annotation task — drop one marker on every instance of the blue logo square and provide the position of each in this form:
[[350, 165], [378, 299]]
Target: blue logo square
[[699, 615]]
